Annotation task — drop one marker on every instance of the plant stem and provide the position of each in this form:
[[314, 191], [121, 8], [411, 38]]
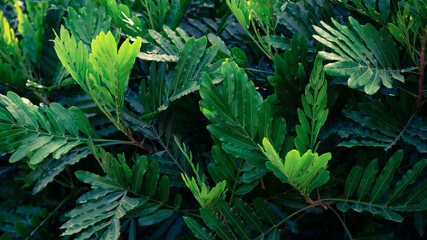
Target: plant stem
[[401, 133], [342, 222], [51, 213], [139, 144], [421, 77], [284, 220], [260, 71]]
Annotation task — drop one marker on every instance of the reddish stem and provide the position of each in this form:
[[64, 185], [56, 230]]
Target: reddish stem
[[43, 98], [139, 144], [421, 78]]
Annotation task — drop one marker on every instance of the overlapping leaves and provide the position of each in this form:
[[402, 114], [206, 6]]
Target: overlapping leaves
[[367, 56], [123, 18], [238, 119], [37, 132], [89, 23], [291, 66], [315, 113], [238, 220], [103, 73], [381, 128], [101, 209], [372, 190], [299, 17], [163, 86], [11, 56], [304, 173], [159, 13], [31, 27]]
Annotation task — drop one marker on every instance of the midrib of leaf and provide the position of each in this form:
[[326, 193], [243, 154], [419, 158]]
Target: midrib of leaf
[[385, 206], [376, 69], [117, 97], [68, 137], [241, 125], [163, 204], [311, 176], [235, 181]]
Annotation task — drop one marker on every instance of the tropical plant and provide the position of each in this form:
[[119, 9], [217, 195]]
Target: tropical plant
[[223, 119]]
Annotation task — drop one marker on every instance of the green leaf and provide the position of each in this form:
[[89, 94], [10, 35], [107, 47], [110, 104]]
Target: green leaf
[[304, 173], [138, 172], [193, 59], [240, 57], [82, 122], [407, 179], [369, 57], [278, 41], [31, 28], [379, 127], [101, 213], [235, 221], [384, 179], [23, 150], [248, 214], [215, 224], [155, 217], [152, 179], [353, 180], [264, 211], [164, 189], [198, 231], [21, 229], [234, 113], [420, 223], [53, 167], [47, 149], [87, 25], [274, 235], [315, 112], [391, 215], [123, 18], [114, 65], [97, 181], [74, 57], [386, 207], [367, 179]]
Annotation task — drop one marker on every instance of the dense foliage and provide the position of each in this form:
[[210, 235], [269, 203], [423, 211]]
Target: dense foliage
[[213, 119]]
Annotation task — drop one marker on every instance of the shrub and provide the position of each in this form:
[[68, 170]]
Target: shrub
[[213, 119]]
